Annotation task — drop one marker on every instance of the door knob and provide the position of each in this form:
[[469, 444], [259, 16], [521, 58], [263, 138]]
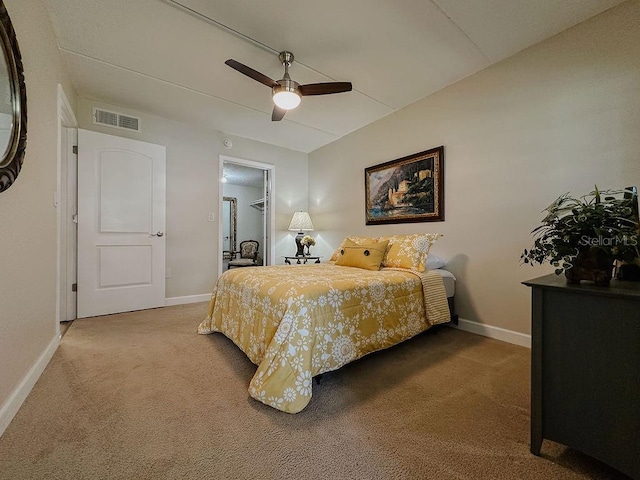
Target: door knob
[[159, 234]]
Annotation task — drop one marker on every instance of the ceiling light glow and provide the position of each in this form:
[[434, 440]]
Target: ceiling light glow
[[286, 100]]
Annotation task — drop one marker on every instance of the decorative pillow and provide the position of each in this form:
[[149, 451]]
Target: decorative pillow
[[367, 256], [435, 261], [356, 240], [409, 251]]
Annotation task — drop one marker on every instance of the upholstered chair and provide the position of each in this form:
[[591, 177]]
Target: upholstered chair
[[248, 254]]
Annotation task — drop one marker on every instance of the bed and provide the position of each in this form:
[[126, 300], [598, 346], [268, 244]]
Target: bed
[[297, 322]]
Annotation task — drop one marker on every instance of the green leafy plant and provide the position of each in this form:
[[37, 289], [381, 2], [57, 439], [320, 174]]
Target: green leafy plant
[[605, 222]]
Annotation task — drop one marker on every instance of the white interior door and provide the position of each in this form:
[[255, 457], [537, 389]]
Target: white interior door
[[121, 224], [71, 266], [66, 199]]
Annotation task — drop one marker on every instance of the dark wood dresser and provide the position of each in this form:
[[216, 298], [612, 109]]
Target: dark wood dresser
[[585, 369]]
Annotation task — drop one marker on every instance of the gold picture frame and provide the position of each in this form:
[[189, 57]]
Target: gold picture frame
[[406, 190]]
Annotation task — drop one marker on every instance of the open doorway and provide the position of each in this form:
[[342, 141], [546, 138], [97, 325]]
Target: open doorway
[[246, 212], [66, 210]]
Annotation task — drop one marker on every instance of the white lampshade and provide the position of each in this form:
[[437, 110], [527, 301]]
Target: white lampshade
[[300, 222], [286, 99]]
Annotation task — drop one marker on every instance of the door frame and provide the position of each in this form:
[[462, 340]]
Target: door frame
[[270, 205], [65, 164]]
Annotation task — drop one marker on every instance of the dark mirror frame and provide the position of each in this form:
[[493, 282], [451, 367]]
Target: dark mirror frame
[[11, 162]]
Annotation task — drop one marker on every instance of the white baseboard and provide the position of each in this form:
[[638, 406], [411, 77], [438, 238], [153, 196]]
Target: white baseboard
[[203, 297], [498, 333], [18, 396]]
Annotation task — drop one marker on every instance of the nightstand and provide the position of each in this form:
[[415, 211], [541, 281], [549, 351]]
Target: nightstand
[[300, 260]]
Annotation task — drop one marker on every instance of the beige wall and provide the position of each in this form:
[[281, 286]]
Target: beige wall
[[249, 219], [27, 215], [193, 189], [560, 116]]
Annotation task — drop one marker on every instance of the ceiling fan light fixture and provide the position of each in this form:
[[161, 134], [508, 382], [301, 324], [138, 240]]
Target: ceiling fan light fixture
[[286, 93], [286, 99]]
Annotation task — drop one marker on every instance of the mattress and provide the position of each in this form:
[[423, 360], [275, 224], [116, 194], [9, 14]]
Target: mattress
[[299, 321], [449, 281]]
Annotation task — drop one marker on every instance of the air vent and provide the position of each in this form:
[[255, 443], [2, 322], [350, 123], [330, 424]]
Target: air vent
[[116, 120], [130, 123]]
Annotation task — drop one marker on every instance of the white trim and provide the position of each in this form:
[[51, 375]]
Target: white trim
[[65, 112], [498, 333], [18, 396], [66, 118], [271, 204], [72, 230], [220, 203], [203, 297], [247, 163]]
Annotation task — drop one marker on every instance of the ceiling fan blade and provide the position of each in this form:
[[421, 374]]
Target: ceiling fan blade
[[325, 88], [251, 73], [277, 114]]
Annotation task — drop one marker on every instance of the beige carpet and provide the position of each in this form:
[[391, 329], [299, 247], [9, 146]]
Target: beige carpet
[[142, 396]]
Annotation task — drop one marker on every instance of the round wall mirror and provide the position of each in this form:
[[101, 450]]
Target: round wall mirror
[[13, 104]]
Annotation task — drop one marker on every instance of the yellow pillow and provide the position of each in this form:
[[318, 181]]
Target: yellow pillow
[[357, 240], [367, 256], [409, 251]]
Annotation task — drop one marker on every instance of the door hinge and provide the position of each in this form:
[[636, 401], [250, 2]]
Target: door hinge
[[75, 149], [74, 218], [74, 287]]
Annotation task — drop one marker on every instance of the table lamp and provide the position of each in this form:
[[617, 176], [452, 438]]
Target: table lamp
[[300, 222]]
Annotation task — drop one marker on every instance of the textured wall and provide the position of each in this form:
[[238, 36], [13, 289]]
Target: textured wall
[[193, 189], [249, 219], [560, 116], [27, 214]]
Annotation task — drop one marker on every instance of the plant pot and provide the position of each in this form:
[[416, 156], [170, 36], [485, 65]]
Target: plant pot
[[593, 265]]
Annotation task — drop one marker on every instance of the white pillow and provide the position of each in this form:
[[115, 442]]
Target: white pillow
[[435, 261]]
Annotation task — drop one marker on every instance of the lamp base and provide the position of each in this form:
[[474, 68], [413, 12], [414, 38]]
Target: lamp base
[[300, 252]]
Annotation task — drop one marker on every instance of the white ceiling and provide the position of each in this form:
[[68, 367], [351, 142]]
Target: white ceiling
[[242, 175], [166, 57]]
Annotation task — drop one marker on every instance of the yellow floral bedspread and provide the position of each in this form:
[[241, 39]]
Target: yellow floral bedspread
[[299, 321]]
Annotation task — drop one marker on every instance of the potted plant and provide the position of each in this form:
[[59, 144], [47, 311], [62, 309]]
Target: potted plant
[[582, 237]]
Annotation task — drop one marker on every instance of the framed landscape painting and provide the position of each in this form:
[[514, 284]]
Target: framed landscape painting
[[409, 189]]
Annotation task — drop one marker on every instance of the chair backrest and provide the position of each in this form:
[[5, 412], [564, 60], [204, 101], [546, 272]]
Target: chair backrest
[[249, 249]]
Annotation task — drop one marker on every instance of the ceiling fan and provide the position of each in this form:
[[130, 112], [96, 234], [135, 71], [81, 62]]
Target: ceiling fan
[[288, 93]]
